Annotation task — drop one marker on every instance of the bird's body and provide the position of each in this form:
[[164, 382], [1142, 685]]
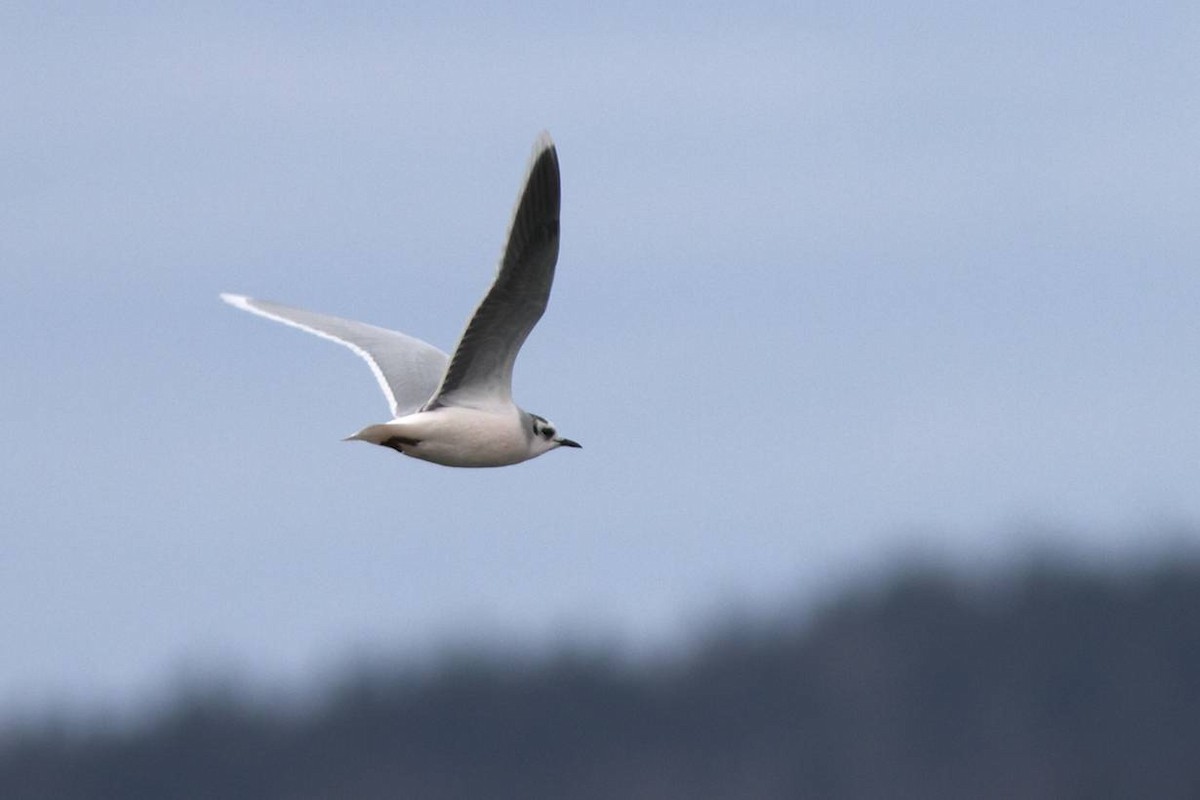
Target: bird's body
[[458, 410], [458, 437]]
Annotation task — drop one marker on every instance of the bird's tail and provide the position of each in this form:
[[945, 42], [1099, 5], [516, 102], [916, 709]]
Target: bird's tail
[[375, 434]]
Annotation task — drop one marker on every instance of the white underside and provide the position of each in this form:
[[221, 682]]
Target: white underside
[[458, 437]]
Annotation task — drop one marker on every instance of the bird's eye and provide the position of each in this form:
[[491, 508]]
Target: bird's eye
[[549, 433]]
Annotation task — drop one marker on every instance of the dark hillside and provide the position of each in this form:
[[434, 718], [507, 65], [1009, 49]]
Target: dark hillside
[[1057, 685]]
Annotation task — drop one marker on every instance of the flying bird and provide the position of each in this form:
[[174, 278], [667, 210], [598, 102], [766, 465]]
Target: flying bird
[[458, 410]]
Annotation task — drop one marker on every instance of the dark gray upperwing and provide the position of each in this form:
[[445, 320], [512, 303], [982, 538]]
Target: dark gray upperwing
[[408, 369], [480, 371]]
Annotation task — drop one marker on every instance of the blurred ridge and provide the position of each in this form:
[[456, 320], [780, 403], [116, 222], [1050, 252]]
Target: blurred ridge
[[1051, 682]]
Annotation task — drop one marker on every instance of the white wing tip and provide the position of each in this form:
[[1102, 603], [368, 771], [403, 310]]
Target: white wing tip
[[238, 300], [543, 142]]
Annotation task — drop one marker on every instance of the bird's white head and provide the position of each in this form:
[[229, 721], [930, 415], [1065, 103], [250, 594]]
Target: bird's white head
[[545, 436]]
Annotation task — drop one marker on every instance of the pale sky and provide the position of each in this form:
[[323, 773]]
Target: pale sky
[[834, 285]]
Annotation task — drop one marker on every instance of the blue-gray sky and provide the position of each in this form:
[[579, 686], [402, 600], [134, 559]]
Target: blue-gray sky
[[835, 281]]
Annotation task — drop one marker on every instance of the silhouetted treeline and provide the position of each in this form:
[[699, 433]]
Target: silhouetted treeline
[[1055, 684]]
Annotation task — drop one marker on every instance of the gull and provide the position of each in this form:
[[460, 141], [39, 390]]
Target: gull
[[458, 410]]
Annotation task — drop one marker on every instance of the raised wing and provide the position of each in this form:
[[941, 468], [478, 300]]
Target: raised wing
[[480, 373], [408, 370]]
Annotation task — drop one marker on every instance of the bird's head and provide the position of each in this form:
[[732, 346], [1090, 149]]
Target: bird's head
[[545, 436]]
